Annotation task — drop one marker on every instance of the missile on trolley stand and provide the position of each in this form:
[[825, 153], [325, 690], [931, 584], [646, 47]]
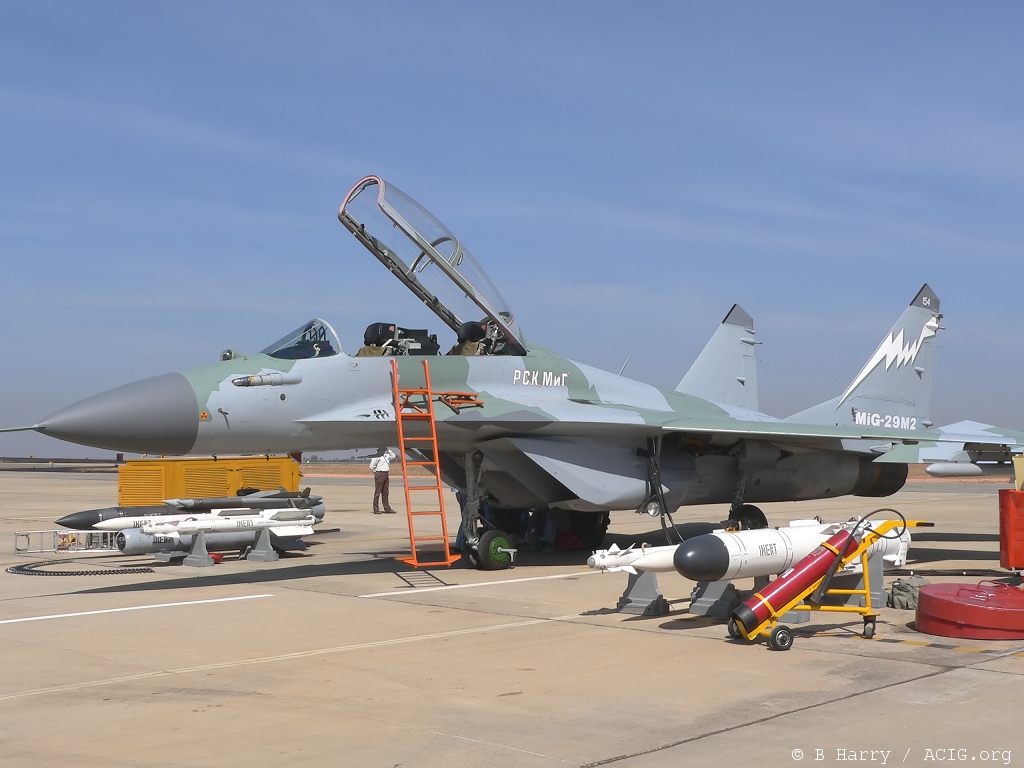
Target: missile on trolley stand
[[132, 541], [141, 521], [90, 519], [221, 534], [726, 555], [216, 523]]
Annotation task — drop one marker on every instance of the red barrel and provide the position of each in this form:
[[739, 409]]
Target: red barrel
[[1011, 529], [764, 604]]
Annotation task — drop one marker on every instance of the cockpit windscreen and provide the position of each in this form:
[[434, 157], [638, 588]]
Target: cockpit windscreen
[[313, 339], [425, 255]]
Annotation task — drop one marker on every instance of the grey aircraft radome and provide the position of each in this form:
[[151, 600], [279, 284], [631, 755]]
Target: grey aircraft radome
[[551, 434]]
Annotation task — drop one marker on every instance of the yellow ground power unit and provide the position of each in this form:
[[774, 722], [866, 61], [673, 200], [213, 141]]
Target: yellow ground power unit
[[149, 481]]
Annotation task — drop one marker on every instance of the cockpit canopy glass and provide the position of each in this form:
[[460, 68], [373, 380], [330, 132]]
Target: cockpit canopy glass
[[413, 243], [313, 339]]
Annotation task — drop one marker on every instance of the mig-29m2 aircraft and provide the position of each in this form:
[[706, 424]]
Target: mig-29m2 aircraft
[[551, 433]]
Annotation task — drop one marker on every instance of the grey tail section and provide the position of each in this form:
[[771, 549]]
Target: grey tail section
[[894, 388], [726, 370]]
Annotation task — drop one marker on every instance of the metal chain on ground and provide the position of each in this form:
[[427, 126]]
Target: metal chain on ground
[[31, 569]]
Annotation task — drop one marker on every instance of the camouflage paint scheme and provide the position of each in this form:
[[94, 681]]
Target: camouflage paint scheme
[[552, 433]]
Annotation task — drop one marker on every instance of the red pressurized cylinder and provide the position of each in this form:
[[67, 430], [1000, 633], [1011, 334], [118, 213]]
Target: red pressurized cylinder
[[759, 608], [1011, 529]]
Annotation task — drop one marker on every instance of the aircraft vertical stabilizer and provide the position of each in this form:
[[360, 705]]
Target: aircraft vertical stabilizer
[[726, 371], [894, 388]]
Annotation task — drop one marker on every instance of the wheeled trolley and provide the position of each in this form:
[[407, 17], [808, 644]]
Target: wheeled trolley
[[806, 586]]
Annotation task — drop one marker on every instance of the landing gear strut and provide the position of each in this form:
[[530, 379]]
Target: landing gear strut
[[489, 550], [748, 517]]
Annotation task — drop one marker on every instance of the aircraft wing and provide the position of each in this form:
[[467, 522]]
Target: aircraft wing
[[961, 443], [821, 436]]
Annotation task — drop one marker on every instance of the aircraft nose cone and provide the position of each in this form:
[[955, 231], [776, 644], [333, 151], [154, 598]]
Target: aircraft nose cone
[[702, 558], [157, 415]]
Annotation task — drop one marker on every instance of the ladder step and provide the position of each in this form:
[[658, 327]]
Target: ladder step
[[417, 563], [417, 403]]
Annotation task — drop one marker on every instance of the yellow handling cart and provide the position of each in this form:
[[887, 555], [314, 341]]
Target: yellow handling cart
[[806, 586]]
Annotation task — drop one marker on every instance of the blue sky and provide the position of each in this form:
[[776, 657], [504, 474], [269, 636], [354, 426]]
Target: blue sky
[[171, 175]]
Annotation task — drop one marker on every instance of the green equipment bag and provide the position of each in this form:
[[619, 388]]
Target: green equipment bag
[[904, 593]]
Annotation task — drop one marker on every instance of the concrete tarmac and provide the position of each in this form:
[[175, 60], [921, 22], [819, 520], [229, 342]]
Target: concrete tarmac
[[343, 656]]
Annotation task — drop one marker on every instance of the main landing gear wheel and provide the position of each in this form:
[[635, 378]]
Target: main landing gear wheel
[[470, 557], [492, 551], [781, 639], [749, 517]]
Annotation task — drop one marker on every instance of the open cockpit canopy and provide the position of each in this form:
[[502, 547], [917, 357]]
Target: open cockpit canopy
[[313, 339], [422, 253]]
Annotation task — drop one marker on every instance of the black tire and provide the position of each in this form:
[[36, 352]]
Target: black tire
[[869, 630], [733, 629], [491, 559], [781, 639], [749, 517], [470, 558]]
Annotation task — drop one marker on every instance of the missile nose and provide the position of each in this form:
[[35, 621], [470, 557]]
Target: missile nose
[[702, 558], [80, 521], [591, 561], [158, 415]]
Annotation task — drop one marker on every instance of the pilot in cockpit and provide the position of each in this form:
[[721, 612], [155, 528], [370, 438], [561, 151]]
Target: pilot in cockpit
[[377, 340], [387, 339], [481, 337], [471, 339]]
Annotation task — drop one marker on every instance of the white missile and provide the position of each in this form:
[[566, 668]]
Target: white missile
[[633, 559], [726, 555], [280, 513], [216, 523], [123, 523]]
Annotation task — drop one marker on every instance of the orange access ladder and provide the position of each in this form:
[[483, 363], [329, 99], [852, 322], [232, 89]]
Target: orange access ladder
[[416, 404]]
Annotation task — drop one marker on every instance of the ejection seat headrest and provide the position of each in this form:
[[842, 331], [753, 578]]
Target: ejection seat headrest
[[378, 334], [472, 331]]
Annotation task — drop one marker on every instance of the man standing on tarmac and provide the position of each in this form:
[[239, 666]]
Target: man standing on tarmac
[[381, 466]]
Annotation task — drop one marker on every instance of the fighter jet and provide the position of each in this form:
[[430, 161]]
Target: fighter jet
[[550, 433]]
